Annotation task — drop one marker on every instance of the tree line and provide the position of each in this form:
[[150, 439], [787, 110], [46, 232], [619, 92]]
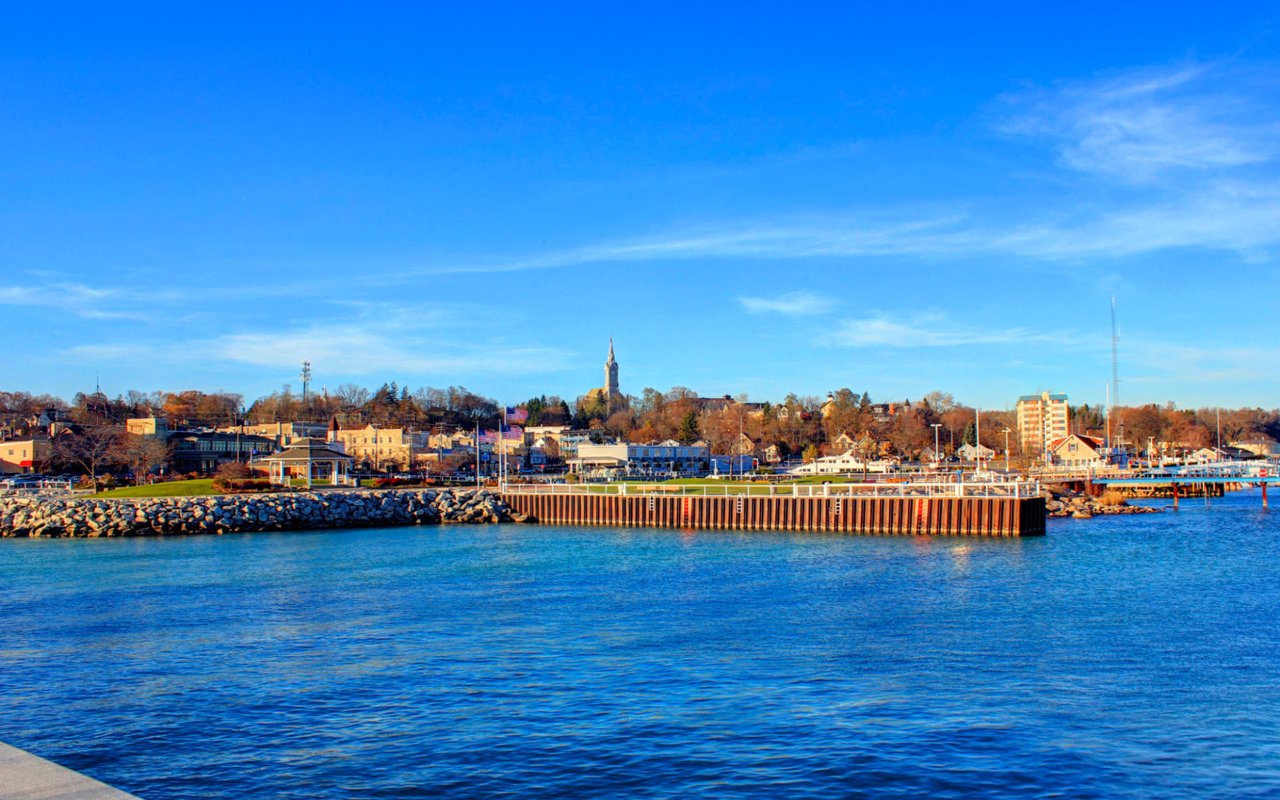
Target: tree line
[[797, 426]]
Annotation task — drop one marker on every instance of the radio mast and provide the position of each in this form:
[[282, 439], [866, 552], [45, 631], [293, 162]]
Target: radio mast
[[1115, 358], [1114, 399], [306, 381]]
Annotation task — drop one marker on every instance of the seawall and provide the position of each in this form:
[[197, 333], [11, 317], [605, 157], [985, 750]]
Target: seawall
[[93, 517], [878, 515], [955, 516]]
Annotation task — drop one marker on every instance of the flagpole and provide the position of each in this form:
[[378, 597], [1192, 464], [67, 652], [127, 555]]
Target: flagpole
[[502, 443], [477, 454]]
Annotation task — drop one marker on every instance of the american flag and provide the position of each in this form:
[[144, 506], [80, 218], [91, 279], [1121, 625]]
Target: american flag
[[489, 437], [517, 414], [513, 432]]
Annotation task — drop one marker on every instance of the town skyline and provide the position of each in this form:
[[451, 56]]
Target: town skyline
[[449, 200], [318, 387]]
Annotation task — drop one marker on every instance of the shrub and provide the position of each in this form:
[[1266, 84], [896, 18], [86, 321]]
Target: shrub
[[1113, 498], [241, 485], [233, 471]]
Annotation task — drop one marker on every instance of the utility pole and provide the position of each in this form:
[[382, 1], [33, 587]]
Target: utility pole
[[1109, 453], [977, 437]]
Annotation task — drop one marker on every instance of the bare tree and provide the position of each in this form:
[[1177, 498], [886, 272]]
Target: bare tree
[[141, 454], [92, 447]]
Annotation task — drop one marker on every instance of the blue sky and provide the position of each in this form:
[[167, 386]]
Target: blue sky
[[746, 198]]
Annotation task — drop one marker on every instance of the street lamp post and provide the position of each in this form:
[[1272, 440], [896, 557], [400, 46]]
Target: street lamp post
[[935, 427], [977, 437]]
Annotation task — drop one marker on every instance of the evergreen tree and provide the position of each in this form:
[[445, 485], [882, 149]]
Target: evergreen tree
[[688, 431]]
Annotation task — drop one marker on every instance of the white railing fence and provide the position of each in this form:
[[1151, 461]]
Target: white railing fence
[[1009, 489]]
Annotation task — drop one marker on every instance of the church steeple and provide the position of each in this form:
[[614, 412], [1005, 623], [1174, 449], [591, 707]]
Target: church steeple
[[612, 394]]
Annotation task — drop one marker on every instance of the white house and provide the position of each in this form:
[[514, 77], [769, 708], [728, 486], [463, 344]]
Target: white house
[[970, 452], [1077, 451]]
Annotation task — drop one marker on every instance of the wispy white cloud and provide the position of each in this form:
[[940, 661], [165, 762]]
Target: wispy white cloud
[[1146, 124], [81, 300], [1188, 154], [1224, 215], [365, 338], [1148, 361], [792, 304], [928, 330], [360, 350]]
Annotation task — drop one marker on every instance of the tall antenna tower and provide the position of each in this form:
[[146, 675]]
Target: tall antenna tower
[[1115, 358], [306, 381], [1114, 399]]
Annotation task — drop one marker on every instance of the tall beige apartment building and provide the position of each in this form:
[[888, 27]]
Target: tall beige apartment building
[[1042, 418]]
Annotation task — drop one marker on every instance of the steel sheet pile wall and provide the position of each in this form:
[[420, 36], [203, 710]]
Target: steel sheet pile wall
[[955, 516]]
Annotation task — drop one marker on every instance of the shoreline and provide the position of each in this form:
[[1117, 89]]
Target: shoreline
[[247, 513]]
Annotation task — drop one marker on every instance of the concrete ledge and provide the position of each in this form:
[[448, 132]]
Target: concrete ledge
[[27, 777]]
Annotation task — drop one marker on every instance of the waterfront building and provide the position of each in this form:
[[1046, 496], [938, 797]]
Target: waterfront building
[[533, 433], [205, 451], [1077, 451], [19, 456], [284, 434], [969, 452], [743, 445], [202, 451], [1226, 453], [669, 458], [1262, 449], [151, 426], [570, 441], [1042, 419], [382, 448]]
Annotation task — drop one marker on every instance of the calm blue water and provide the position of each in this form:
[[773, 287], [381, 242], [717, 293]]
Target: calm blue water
[[1123, 657]]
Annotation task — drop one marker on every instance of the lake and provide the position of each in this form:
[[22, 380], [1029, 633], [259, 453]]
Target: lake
[[1134, 656]]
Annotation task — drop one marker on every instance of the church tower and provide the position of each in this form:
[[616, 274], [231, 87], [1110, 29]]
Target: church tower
[[612, 395]]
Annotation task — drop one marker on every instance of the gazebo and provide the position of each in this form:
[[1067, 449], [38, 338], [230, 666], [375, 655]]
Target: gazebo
[[311, 459]]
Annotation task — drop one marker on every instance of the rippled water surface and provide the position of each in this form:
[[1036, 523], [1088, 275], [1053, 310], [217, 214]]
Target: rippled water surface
[[1122, 657]]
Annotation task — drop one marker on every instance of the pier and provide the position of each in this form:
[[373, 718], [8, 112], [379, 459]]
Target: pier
[[24, 776], [1201, 480], [1014, 508]]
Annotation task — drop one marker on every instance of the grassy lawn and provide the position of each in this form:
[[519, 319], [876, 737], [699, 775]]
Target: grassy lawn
[[716, 487], [747, 487], [169, 489]]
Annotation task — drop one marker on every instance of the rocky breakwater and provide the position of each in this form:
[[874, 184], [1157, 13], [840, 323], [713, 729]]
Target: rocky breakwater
[[1061, 502], [92, 517]]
